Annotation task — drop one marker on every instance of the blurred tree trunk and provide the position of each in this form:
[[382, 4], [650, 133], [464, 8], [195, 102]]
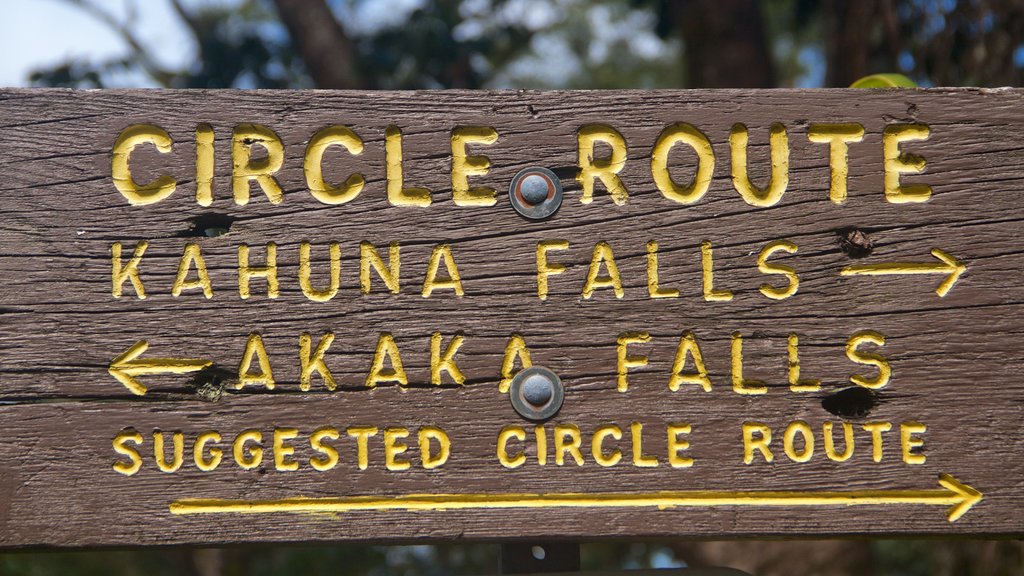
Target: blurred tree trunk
[[321, 41], [726, 44]]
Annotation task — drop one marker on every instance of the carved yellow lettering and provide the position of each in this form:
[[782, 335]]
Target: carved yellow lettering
[[362, 435], [741, 385], [897, 163], [305, 269], [515, 349], [393, 448], [464, 166], [120, 444], [398, 193], [625, 360], [654, 290], [245, 169], [802, 429], [129, 271], [121, 173], [707, 266], [910, 443], [683, 133], [283, 451], [756, 436], [445, 362], [778, 143], [248, 458], [311, 361], [568, 441], [876, 429], [604, 169], [313, 165], [545, 268], [868, 358], [766, 268], [192, 256], [507, 433], [204, 165], [639, 459], [177, 449], [386, 350], [442, 253], [199, 451], [837, 136], [368, 257], [254, 349], [603, 458], [426, 436], [796, 383], [603, 255], [688, 347], [247, 272], [329, 454], [677, 445]]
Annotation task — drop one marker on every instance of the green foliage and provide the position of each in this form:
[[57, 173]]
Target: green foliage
[[884, 81]]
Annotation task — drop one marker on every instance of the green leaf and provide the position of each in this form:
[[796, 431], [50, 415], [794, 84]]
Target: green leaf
[[884, 81]]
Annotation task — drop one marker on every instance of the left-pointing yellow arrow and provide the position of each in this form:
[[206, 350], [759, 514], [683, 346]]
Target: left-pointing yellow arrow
[[946, 264], [128, 365]]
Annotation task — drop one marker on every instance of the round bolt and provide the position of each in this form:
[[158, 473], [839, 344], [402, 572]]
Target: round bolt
[[535, 192], [536, 393]]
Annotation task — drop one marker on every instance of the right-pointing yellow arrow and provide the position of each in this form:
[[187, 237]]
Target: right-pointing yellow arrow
[[947, 264], [128, 365], [959, 497]]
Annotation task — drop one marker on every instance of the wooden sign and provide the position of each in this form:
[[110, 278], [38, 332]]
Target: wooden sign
[[296, 316]]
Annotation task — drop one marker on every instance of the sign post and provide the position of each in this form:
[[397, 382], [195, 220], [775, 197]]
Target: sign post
[[306, 316]]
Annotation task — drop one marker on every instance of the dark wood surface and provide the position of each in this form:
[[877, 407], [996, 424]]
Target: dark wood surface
[[956, 360]]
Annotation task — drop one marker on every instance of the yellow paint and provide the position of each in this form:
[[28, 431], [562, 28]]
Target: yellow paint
[[362, 435], [640, 460], [318, 443], [838, 137], [948, 265], [767, 268], [654, 290], [677, 445], [603, 458], [465, 165], [507, 433], [897, 163], [428, 458], [952, 493], [741, 385], [311, 361], [778, 143], [540, 436], [707, 266], [602, 255], [398, 193], [129, 271], [386, 350], [604, 169], [625, 360], [756, 436], [683, 133], [305, 269], [313, 165], [515, 349], [545, 268], [830, 447], [445, 362], [876, 429], [177, 449], [368, 257], [442, 253], [120, 444], [568, 441], [908, 441], [688, 348], [245, 169], [126, 366], [796, 383], [199, 451], [246, 272], [192, 256], [254, 349], [854, 353], [393, 448], [120, 170], [204, 165], [801, 428], [283, 450], [248, 458]]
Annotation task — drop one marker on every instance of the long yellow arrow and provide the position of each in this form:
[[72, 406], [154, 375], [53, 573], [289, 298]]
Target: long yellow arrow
[[959, 497], [947, 264], [127, 366]]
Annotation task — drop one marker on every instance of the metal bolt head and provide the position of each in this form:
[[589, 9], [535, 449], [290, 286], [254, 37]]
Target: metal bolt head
[[536, 393], [535, 192]]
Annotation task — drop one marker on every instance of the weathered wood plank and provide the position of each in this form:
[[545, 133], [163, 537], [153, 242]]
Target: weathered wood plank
[[955, 360]]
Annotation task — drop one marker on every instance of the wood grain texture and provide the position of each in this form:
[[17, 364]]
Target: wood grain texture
[[956, 360]]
